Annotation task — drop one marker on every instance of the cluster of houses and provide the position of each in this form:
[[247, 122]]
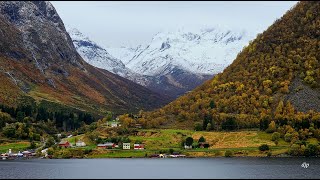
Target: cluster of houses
[[110, 145], [107, 145], [11, 155]]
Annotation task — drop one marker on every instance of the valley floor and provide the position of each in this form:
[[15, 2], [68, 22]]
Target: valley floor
[[160, 141]]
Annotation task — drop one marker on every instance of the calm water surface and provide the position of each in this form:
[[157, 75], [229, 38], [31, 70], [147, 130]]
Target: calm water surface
[[161, 168]]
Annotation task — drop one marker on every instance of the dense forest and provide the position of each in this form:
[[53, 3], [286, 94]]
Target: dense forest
[[273, 84], [30, 120]]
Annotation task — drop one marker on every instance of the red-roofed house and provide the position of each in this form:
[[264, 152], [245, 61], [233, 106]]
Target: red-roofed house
[[138, 146], [64, 144]]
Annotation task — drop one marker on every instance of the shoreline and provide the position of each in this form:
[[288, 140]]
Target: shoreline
[[217, 157]]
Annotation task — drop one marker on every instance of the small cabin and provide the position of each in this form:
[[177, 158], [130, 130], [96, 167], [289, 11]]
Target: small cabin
[[138, 146], [64, 144], [80, 144]]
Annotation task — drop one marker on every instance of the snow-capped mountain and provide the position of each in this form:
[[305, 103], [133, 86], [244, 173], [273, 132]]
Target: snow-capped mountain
[[94, 54], [207, 51], [125, 53], [173, 62], [99, 57]]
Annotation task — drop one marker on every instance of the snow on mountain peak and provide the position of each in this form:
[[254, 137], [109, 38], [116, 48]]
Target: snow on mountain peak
[[173, 62], [202, 51], [93, 53]]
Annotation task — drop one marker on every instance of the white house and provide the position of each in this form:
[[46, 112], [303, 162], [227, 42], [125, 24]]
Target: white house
[[126, 146], [187, 147], [80, 143], [114, 124]]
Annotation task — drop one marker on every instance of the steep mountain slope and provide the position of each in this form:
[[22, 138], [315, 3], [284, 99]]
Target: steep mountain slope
[[95, 55], [38, 59], [275, 78]]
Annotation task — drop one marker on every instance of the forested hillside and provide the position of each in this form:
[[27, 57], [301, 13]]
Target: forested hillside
[[273, 82]]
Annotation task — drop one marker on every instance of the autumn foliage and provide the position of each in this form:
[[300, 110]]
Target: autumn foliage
[[253, 91]]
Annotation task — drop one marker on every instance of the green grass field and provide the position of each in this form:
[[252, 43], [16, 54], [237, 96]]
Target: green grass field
[[15, 147], [242, 143]]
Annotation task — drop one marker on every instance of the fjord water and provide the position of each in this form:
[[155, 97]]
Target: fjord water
[[161, 168]]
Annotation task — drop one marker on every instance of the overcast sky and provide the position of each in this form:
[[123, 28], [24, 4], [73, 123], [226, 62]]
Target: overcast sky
[[114, 23]]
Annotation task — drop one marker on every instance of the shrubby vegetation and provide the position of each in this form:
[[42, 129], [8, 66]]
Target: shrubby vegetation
[[264, 147], [228, 153]]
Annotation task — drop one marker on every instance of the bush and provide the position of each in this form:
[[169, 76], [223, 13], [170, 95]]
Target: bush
[[50, 151], [275, 136], [32, 145], [272, 127], [138, 142], [66, 154], [229, 124], [202, 139], [264, 147], [49, 142], [228, 153], [296, 150], [77, 152], [36, 137], [87, 150], [189, 141], [269, 154], [9, 132], [288, 137], [311, 150], [195, 145], [209, 126], [171, 151], [218, 153], [197, 126]]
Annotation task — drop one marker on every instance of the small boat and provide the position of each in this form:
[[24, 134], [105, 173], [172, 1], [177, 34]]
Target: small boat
[[4, 156]]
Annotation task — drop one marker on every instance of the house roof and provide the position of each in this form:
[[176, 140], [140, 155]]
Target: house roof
[[106, 144], [63, 142]]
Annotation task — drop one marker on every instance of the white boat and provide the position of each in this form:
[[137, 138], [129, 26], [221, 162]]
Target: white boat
[[4, 156], [20, 154]]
